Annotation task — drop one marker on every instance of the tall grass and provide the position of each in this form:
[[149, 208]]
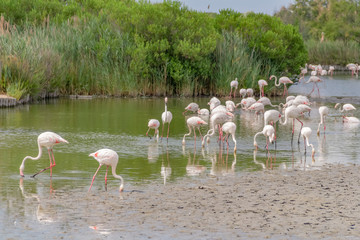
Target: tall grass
[[72, 59], [235, 60], [333, 52]]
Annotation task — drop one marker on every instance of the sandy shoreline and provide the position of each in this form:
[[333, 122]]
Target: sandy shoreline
[[314, 204]]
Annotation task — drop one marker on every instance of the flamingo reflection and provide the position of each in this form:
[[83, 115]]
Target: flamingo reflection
[[165, 169]]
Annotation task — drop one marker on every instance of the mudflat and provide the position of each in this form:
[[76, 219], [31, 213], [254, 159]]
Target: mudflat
[[271, 204]]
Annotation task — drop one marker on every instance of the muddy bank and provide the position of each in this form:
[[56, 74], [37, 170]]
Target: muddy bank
[[275, 204]]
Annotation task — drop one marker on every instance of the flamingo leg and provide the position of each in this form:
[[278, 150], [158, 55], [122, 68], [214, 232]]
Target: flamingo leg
[[148, 132], [94, 177], [300, 130], [50, 167], [107, 168], [162, 131], [305, 145], [292, 134], [318, 89], [312, 89], [167, 136]]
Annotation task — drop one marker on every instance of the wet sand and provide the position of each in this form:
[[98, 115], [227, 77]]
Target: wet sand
[[272, 204]]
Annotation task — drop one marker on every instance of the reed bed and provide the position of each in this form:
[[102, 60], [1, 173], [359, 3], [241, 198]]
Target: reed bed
[[333, 52]]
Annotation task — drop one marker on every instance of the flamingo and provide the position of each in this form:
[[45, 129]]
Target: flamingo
[[294, 113], [271, 117], [193, 122], [229, 128], [154, 124], [304, 71], [215, 120], [107, 157], [269, 132], [234, 84], [346, 107], [48, 140], [166, 117], [262, 83], [306, 132], [282, 80], [314, 80], [324, 111], [350, 120], [193, 107], [243, 92], [246, 102], [353, 67], [230, 106], [203, 112], [266, 101], [249, 92], [257, 107], [331, 70]]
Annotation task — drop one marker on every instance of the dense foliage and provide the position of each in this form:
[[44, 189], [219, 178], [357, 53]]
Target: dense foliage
[[136, 48]]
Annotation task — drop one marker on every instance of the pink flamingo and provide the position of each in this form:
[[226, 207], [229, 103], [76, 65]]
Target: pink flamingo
[[166, 117], [234, 84], [242, 92], [269, 132], [48, 140], [324, 111], [331, 70], [249, 92], [262, 83], [314, 80], [306, 132], [154, 124], [107, 157], [192, 123], [193, 107], [282, 80]]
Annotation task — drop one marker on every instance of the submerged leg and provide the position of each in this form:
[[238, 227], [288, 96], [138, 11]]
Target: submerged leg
[[51, 165]]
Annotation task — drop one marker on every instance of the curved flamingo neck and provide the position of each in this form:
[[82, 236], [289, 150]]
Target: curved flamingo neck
[[255, 143], [118, 177], [276, 79], [22, 166]]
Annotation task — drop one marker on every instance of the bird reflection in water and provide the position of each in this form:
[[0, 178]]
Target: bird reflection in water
[[153, 152], [101, 229], [270, 161], [165, 167], [193, 168], [220, 163], [44, 213]]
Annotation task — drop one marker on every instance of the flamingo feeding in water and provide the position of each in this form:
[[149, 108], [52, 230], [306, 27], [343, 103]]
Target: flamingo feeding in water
[[229, 128], [154, 124], [269, 132], [234, 84], [324, 111], [262, 83], [306, 132], [193, 107], [192, 123], [48, 140], [282, 80], [166, 117], [346, 107], [107, 157]]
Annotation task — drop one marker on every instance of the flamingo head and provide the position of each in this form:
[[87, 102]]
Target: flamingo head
[[21, 170], [166, 99], [201, 122]]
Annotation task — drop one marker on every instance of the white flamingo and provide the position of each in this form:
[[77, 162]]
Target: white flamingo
[[166, 117], [324, 111], [107, 157], [192, 107], [262, 83], [234, 84], [269, 133], [192, 123], [154, 124], [283, 80], [306, 132], [48, 140], [229, 128]]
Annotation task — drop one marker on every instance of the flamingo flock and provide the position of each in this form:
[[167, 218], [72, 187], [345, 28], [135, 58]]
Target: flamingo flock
[[220, 118]]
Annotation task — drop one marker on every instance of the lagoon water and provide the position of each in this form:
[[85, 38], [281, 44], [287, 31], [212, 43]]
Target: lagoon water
[[27, 205]]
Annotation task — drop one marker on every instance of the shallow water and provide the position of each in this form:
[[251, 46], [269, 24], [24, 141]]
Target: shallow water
[[60, 205]]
